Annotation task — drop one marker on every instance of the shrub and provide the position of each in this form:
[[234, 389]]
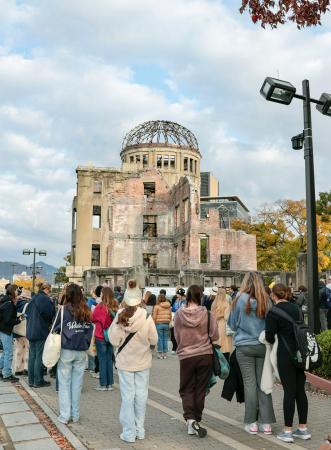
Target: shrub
[[324, 340]]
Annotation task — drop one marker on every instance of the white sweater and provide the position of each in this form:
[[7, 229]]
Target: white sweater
[[136, 355]]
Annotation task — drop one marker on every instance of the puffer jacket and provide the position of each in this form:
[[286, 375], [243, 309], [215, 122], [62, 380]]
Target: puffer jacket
[[162, 312]]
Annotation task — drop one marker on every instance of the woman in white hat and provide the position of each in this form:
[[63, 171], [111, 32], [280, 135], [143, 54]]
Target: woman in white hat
[[133, 331]]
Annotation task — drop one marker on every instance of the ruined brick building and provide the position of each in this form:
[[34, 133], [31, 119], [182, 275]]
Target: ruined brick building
[[145, 219]]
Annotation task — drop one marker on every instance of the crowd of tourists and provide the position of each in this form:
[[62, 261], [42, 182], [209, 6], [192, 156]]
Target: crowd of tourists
[[251, 325]]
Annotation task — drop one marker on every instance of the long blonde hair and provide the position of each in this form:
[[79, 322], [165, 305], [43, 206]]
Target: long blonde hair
[[220, 304], [253, 285]]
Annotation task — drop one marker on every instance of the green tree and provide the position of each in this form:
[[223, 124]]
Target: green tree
[[323, 206], [61, 277]]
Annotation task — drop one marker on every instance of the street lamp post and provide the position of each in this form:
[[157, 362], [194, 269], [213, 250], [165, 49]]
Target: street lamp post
[[283, 92], [34, 252], [13, 272]]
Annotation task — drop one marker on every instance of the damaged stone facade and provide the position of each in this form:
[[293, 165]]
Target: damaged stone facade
[[145, 222]]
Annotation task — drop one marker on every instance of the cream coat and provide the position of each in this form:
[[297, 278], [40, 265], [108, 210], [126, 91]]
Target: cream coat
[[136, 355], [270, 368]]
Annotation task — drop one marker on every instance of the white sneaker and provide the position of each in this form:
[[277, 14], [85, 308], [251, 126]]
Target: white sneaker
[[110, 388], [251, 428], [95, 375], [159, 356], [173, 353], [190, 429], [100, 388]]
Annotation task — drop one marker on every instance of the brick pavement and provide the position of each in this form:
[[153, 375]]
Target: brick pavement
[[99, 427]]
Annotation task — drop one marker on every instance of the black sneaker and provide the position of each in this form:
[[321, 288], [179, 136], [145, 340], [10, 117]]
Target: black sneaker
[[202, 432], [11, 378], [1, 376], [42, 384]]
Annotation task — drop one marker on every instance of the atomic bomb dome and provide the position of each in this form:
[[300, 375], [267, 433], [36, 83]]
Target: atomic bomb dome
[[160, 133], [166, 146]]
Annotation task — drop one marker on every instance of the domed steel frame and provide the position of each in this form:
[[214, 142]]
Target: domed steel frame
[[160, 132]]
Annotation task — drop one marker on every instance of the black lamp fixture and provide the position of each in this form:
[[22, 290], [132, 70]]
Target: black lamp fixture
[[324, 105], [297, 141], [278, 91]]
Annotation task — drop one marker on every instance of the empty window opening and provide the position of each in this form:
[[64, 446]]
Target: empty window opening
[[186, 164], [166, 161], [204, 243], [183, 245], [195, 166], [149, 190], [74, 219], [97, 187], [145, 160], [159, 161], [131, 159], [225, 262], [186, 210], [191, 165], [138, 159], [149, 226], [149, 260], [96, 220], [172, 162], [95, 259], [177, 217], [73, 255], [176, 254]]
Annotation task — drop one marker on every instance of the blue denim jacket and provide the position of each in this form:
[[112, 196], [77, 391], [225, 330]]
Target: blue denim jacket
[[248, 327]]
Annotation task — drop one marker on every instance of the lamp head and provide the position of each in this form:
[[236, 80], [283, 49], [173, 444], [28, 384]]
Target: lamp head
[[26, 252], [278, 91], [297, 141], [42, 252], [326, 107]]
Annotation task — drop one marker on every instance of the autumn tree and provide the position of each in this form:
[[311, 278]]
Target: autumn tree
[[304, 13], [280, 231]]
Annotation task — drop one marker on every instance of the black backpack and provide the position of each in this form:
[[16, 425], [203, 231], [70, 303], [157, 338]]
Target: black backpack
[[308, 354]]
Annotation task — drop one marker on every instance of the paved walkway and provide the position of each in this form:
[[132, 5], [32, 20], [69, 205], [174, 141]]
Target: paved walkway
[[20, 428], [99, 428]]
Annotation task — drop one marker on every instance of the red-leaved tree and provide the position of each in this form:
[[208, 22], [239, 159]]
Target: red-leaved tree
[[304, 13]]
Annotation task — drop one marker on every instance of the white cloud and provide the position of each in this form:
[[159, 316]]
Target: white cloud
[[69, 94]]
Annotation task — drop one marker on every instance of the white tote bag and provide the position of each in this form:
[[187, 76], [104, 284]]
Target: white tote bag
[[52, 348], [20, 328]]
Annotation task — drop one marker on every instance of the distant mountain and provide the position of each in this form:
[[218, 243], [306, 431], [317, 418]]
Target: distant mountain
[[7, 270]]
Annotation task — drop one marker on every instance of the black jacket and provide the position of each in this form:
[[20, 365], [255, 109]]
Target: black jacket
[[8, 315], [40, 315], [234, 383], [323, 295]]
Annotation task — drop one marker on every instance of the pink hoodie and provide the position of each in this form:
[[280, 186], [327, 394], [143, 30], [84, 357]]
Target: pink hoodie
[[191, 332]]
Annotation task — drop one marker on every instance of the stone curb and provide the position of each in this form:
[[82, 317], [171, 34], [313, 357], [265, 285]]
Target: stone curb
[[318, 384], [67, 433]]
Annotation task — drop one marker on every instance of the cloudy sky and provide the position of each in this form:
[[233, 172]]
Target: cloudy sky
[[76, 75]]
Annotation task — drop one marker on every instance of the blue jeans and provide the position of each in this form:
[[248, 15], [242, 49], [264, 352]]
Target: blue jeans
[[35, 368], [105, 355], [70, 372], [134, 394], [163, 335], [6, 357]]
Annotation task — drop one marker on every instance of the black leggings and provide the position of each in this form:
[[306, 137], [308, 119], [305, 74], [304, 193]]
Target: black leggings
[[293, 381], [173, 339]]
